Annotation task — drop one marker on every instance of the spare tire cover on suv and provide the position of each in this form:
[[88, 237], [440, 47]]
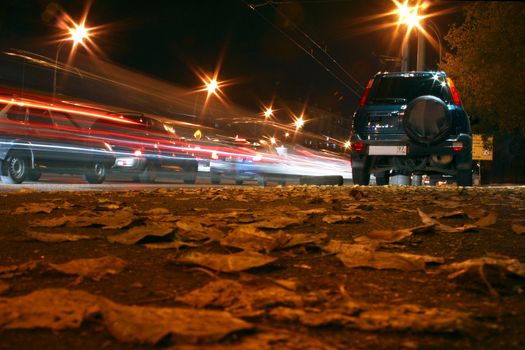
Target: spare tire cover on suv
[[427, 120]]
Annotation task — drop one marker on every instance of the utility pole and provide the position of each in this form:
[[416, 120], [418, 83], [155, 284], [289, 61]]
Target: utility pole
[[420, 47]]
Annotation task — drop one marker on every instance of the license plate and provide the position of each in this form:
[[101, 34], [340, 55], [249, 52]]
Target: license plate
[[387, 150]]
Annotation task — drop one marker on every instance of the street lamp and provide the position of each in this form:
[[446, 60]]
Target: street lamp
[[408, 16], [268, 113], [212, 86], [77, 34], [299, 123]]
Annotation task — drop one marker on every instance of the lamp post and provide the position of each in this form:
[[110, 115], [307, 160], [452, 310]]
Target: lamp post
[[408, 16], [77, 35]]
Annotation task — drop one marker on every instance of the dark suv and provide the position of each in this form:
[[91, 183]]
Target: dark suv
[[38, 136], [411, 123], [145, 147]]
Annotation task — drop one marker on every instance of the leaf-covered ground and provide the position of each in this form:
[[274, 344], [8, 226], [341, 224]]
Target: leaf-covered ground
[[299, 267]]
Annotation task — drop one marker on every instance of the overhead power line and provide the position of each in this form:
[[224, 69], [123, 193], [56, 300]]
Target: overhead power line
[[313, 48]]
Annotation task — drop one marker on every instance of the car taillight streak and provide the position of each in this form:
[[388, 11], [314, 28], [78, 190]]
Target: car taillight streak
[[365, 93]]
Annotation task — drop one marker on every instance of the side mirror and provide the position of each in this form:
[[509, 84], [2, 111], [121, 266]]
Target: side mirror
[[474, 119]]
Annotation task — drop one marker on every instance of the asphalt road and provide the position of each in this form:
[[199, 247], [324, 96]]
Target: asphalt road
[[54, 182]]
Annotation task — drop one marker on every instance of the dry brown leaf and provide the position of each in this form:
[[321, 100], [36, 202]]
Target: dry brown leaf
[[452, 214], [492, 273], [171, 245], [342, 219], [315, 211], [17, 270], [249, 238], [519, 229], [34, 208], [487, 220], [241, 300], [137, 233], [379, 317], [189, 229], [56, 237], [151, 325], [52, 222], [427, 220], [157, 212], [59, 309], [288, 240], [108, 219], [227, 262], [280, 221], [390, 236], [91, 268], [365, 255], [279, 340], [4, 287]]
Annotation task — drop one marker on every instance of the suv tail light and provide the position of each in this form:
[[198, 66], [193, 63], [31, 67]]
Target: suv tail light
[[137, 153], [454, 92], [365, 93], [457, 146], [358, 146]]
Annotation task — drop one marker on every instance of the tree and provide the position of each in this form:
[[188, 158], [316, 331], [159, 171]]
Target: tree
[[487, 64]]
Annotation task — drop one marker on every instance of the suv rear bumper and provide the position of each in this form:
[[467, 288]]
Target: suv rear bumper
[[460, 148], [413, 149]]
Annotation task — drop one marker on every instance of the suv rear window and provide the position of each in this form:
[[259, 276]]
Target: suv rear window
[[403, 89]]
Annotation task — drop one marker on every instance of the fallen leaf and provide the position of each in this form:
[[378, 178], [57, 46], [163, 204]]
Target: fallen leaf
[[56, 237], [52, 222], [501, 273], [54, 309], [365, 255], [289, 240], [189, 229], [107, 219], [137, 233], [487, 220], [35, 208], [151, 324], [427, 220], [342, 219], [281, 340], [157, 211], [170, 245], [91, 268], [249, 238], [11, 271], [379, 317], [519, 229], [238, 299], [452, 214], [390, 236], [4, 287], [279, 221], [59, 309], [227, 262]]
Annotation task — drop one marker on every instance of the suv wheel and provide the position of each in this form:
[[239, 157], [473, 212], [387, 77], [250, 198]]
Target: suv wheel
[[239, 182], [190, 173], [215, 178], [34, 175], [149, 174], [464, 178], [96, 173], [382, 178], [16, 168]]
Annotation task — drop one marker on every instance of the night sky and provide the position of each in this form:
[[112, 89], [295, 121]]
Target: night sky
[[166, 38]]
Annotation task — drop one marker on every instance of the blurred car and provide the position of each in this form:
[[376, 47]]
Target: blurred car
[[411, 123], [234, 159], [38, 136], [146, 147]]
